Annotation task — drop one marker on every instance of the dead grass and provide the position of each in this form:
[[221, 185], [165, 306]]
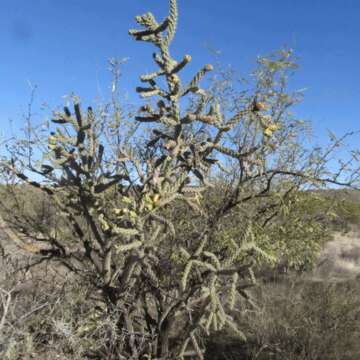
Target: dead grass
[[340, 259]]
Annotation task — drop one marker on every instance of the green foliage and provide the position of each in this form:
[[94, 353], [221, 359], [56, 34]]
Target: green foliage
[[348, 212]]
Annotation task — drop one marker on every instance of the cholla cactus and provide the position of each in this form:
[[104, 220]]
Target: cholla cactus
[[171, 280]]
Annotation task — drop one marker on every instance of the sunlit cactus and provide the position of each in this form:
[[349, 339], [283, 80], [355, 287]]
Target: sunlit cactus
[[146, 222]]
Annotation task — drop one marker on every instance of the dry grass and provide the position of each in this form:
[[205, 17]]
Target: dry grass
[[340, 259]]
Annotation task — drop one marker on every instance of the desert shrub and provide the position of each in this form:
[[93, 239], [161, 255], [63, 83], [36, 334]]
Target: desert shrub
[[138, 222], [305, 320], [349, 213], [342, 205], [22, 205], [45, 313], [30, 298]]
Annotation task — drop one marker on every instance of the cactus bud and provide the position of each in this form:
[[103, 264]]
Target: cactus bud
[[260, 106], [187, 58], [208, 67]]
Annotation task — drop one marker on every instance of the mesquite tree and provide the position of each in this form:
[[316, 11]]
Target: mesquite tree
[[145, 214]]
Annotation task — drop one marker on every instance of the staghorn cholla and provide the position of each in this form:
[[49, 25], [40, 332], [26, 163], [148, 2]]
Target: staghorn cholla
[[168, 287]]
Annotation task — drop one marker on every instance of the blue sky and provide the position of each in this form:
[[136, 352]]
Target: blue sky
[[62, 46]]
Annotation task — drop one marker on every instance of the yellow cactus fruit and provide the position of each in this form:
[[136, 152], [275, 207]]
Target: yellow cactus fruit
[[117, 211], [156, 199], [270, 129]]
